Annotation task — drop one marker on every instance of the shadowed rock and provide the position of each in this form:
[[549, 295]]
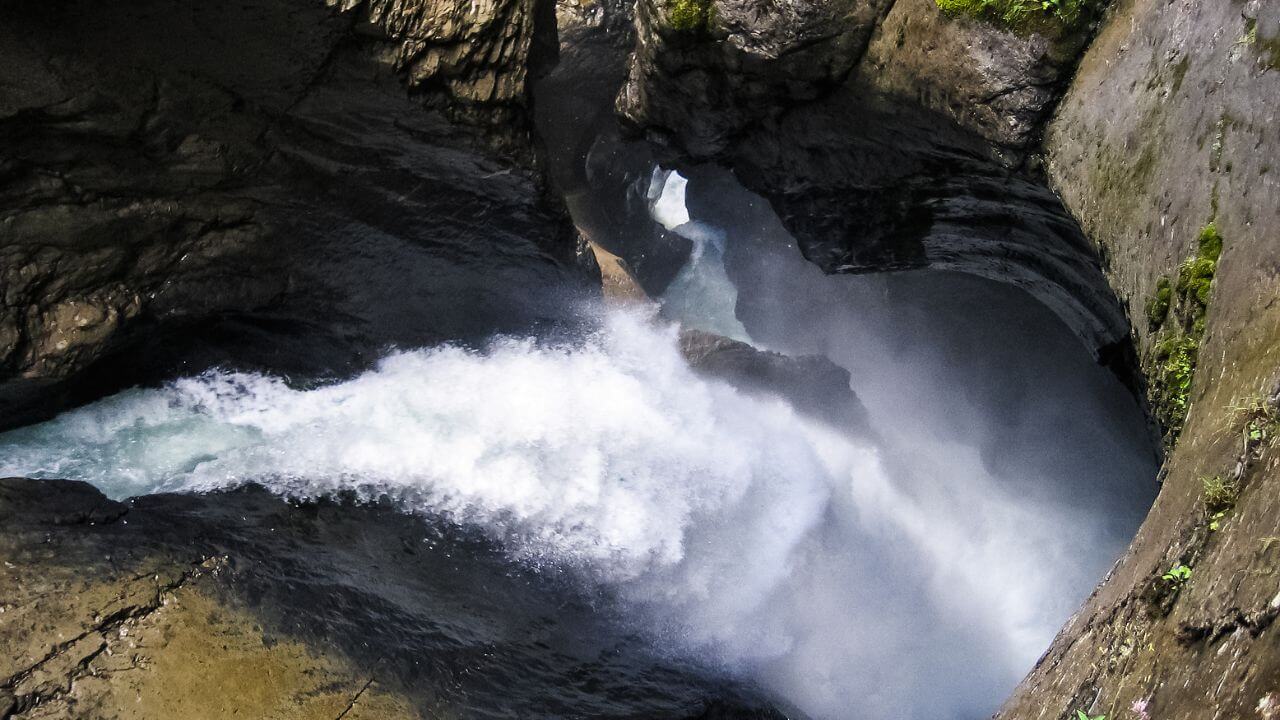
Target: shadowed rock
[[288, 186], [811, 383], [207, 606]]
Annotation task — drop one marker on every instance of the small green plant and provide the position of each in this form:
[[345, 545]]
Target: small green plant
[[1215, 520], [690, 16], [1218, 493], [1259, 420], [1178, 574], [1175, 365], [1082, 715]]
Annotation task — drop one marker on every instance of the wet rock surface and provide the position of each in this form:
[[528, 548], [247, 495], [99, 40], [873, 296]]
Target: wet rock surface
[[915, 154], [747, 63], [811, 383], [158, 607], [285, 186], [1169, 126]]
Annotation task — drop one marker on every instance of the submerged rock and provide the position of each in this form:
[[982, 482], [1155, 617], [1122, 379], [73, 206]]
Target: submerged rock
[[811, 383]]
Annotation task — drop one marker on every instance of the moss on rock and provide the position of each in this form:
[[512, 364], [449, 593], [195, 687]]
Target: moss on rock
[[1172, 362], [1171, 375], [690, 16], [1024, 15], [1268, 48], [1158, 305]]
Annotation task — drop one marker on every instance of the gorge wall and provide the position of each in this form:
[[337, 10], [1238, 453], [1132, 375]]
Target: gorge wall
[[919, 138], [1169, 128], [884, 137], [264, 185], [296, 186]]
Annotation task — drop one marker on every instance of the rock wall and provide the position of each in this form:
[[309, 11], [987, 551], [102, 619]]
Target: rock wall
[[183, 186], [604, 177], [999, 84], [942, 149], [241, 604], [1173, 123], [896, 137]]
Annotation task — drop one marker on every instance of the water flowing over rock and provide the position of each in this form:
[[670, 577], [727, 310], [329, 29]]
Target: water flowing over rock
[[813, 384]]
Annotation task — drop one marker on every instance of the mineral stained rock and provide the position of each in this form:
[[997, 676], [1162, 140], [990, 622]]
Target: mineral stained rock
[[240, 603]]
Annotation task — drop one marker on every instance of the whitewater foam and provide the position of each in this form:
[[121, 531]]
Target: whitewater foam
[[738, 531], [603, 453]]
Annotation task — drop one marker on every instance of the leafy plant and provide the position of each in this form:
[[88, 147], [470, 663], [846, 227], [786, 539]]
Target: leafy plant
[[1219, 493], [1215, 520], [1259, 419], [1082, 715], [1175, 365], [1178, 574]]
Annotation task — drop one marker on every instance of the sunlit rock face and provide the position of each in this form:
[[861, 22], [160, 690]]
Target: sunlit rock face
[[238, 602], [281, 185], [1169, 125]]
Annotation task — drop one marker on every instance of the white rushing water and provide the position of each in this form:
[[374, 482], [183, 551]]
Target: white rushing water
[[854, 580]]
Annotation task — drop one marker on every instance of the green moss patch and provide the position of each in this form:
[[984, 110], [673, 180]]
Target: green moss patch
[[1178, 309], [1024, 15], [690, 16], [1195, 275], [1173, 369]]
